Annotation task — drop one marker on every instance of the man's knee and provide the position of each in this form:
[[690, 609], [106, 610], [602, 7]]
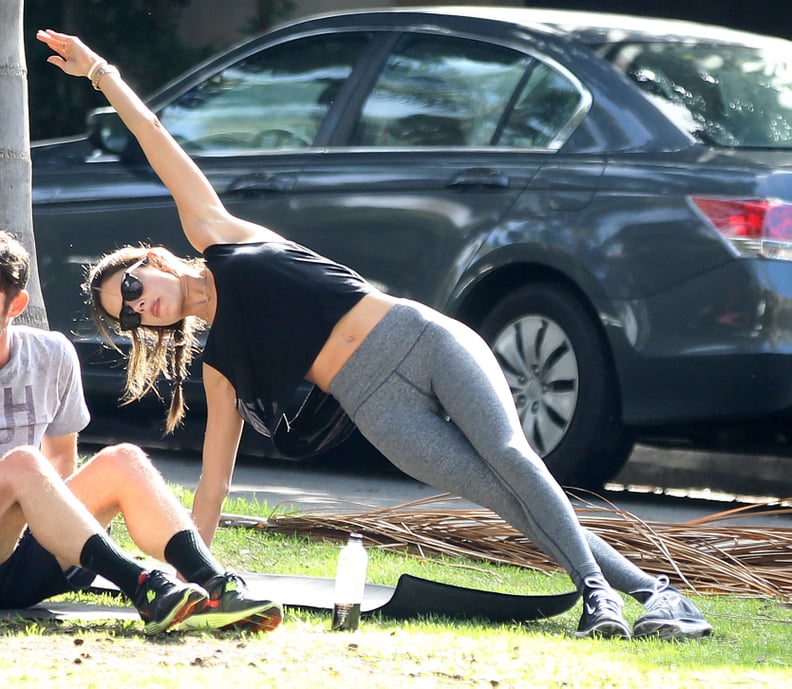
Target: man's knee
[[23, 462], [128, 452], [123, 457]]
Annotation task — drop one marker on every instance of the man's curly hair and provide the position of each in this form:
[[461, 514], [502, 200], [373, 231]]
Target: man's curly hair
[[14, 266]]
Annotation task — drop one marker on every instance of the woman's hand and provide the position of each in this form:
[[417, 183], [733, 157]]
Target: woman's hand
[[71, 54], [204, 219]]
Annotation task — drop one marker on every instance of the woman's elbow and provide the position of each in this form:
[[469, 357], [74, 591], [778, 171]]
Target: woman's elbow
[[214, 489]]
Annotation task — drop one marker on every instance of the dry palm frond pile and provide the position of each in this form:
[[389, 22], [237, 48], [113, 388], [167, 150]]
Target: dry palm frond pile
[[710, 555]]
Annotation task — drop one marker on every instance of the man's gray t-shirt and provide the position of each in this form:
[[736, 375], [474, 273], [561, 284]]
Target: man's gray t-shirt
[[40, 389]]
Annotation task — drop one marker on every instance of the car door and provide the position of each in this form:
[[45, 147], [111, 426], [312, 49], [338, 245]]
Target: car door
[[252, 126], [411, 183]]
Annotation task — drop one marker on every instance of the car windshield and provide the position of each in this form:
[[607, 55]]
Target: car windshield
[[725, 95]]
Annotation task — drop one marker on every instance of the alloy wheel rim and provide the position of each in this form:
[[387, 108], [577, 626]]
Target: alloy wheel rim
[[541, 368]]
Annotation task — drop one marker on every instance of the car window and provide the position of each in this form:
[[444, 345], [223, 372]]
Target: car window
[[546, 104], [734, 96], [440, 91], [275, 99]]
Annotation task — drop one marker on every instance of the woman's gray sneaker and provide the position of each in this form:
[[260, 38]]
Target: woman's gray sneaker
[[601, 611], [669, 615]]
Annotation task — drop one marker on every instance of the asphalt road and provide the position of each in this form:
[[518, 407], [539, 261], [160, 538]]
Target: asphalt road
[[657, 485], [658, 475]]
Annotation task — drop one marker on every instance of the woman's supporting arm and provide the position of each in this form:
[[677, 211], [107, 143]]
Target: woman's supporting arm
[[221, 442]]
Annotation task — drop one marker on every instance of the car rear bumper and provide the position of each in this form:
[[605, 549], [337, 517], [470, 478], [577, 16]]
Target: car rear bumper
[[717, 347]]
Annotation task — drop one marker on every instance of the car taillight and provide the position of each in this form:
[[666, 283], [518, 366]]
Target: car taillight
[[755, 227]]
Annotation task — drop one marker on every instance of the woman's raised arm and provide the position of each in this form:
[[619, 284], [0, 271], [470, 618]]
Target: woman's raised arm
[[204, 219]]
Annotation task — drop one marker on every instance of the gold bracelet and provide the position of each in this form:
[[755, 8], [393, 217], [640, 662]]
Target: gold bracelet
[[103, 71]]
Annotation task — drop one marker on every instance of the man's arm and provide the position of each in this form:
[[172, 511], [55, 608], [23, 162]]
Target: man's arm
[[61, 451]]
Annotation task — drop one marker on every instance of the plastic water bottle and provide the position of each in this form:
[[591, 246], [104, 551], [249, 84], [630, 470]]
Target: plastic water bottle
[[350, 583]]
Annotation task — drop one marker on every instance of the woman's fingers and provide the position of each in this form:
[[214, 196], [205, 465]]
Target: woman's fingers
[[54, 40], [71, 55]]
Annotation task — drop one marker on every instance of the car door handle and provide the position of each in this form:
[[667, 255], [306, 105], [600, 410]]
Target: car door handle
[[258, 182], [480, 177]]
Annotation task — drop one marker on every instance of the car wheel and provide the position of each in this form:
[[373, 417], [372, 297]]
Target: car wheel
[[562, 381]]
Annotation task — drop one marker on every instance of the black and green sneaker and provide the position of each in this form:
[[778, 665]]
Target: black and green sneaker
[[231, 607], [163, 602]]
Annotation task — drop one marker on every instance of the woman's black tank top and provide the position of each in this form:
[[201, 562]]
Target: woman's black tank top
[[277, 303]]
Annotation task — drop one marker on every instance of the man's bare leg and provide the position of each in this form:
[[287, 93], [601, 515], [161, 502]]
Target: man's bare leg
[[121, 479], [32, 492]]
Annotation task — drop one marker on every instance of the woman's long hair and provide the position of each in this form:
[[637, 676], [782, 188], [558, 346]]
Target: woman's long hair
[[156, 351]]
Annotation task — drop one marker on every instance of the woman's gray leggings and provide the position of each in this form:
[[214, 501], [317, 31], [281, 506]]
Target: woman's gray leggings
[[428, 393]]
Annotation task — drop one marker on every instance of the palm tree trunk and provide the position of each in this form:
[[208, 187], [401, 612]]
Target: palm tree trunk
[[15, 168]]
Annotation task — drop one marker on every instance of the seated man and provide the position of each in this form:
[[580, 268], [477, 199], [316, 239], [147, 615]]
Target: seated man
[[66, 511]]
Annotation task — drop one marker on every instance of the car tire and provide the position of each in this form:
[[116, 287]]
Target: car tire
[[563, 383]]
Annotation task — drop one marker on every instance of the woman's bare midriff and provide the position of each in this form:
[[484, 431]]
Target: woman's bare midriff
[[347, 336]]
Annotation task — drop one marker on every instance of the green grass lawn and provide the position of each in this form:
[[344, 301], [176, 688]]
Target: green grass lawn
[[750, 648]]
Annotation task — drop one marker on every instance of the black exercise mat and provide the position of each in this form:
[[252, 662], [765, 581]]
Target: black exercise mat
[[411, 597], [414, 597]]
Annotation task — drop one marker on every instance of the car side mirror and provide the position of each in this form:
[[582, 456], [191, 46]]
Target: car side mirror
[[108, 133]]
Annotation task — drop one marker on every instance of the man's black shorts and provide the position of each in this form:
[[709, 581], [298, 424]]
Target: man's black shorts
[[32, 575]]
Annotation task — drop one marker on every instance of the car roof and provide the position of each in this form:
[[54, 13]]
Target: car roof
[[592, 28]]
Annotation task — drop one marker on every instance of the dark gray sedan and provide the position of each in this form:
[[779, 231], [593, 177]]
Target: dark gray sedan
[[607, 200]]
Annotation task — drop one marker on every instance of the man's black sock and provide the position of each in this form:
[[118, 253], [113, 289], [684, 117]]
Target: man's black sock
[[102, 556], [187, 552]]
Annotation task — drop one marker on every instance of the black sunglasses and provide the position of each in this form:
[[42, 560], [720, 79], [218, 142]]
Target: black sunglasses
[[131, 289]]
